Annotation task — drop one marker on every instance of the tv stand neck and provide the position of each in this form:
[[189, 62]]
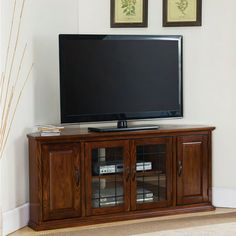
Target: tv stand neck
[[122, 124]]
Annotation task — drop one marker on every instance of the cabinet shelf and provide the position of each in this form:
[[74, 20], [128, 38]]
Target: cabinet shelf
[[120, 175], [108, 176], [150, 153], [149, 173]]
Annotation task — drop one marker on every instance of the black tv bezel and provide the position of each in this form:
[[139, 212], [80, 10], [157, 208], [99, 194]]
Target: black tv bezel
[[65, 118]]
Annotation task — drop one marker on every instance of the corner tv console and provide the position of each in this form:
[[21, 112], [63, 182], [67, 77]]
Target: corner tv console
[[80, 177]]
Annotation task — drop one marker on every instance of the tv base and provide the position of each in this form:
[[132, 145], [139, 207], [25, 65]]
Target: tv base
[[128, 128]]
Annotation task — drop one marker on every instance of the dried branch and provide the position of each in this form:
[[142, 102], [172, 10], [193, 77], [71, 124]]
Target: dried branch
[[9, 99], [15, 108], [2, 86], [13, 58], [7, 53], [5, 121], [20, 66]]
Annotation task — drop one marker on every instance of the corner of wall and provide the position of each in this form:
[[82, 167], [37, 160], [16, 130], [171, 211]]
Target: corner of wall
[[224, 197], [15, 219]]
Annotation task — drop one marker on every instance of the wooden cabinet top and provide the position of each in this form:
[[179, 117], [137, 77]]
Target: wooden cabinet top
[[82, 133]]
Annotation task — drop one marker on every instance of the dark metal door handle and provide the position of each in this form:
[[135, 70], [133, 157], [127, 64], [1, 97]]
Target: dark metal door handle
[[180, 168], [77, 177]]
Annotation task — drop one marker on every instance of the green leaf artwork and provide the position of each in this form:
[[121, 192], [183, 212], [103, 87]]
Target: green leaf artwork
[[128, 7], [182, 6]]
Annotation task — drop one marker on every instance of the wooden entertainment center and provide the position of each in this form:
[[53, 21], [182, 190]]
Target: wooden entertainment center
[[80, 177]]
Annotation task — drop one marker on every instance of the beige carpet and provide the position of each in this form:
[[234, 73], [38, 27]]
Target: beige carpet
[[221, 222], [227, 229]]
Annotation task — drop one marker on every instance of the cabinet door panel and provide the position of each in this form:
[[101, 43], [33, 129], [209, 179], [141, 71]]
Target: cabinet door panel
[[107, 177], [192, 169], [151, 181], [61, 181]]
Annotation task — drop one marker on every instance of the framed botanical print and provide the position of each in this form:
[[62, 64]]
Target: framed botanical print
[[182, 13], [129, 13]]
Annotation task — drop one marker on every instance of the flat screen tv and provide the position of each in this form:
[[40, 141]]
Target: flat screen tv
[[120, 77]]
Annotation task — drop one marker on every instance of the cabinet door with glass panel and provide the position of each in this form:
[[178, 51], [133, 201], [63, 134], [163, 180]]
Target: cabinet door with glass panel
[[151, 174], [107, 177]]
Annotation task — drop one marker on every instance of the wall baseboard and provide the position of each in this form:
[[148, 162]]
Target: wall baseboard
[[19, 217], [15, 219], [224, 197]]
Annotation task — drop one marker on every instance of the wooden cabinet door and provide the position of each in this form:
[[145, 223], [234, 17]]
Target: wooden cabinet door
[[151, 173], [107, 177], [61, 181], [192, 169]]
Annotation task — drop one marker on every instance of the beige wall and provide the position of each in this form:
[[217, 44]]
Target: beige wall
[[41, 23], [209, 71], [209, 77]]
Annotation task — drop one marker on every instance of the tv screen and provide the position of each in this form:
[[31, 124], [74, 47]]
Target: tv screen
[[120, 77]]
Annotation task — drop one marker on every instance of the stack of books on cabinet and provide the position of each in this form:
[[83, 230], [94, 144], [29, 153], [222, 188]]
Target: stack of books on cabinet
[[50, 130]]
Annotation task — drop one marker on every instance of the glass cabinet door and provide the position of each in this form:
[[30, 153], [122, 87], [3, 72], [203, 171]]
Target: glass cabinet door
[[108, 174], [151, 174]]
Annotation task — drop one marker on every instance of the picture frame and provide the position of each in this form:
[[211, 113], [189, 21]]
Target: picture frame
[[182, 13], [129, 13]]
